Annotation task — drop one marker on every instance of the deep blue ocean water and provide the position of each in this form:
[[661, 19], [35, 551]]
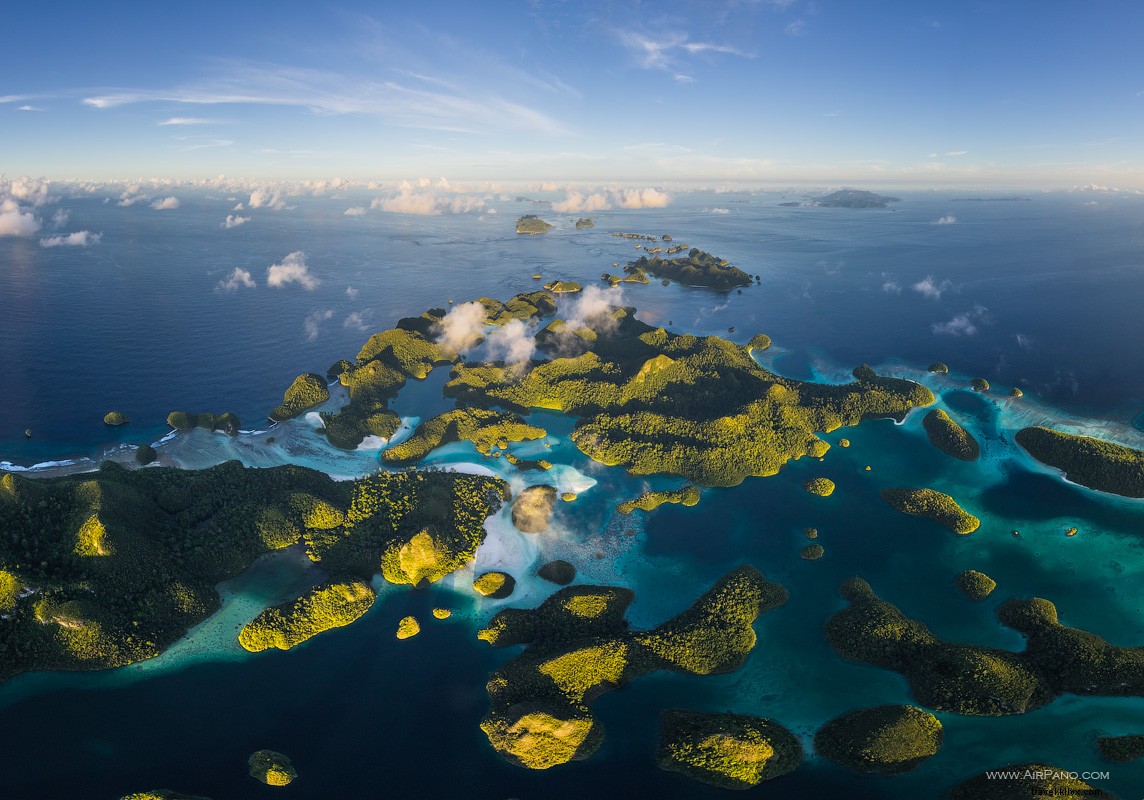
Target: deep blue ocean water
[[1044, 294]]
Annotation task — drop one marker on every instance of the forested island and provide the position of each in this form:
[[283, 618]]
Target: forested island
[[854, 198], [1094, 463], [698, 268]]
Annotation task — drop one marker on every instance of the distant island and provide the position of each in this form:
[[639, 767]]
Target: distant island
[[854, 198], [585, 222], [530, 223]]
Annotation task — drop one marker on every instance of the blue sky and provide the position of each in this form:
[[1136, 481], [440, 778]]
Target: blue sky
[[1002, 93]]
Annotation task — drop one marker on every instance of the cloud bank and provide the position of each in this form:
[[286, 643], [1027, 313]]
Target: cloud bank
[[427, 204], [292, 270]]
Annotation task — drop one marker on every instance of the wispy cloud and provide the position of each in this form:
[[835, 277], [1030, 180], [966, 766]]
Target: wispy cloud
[[796, 28], [60, 218], [956, 153], [357, 320], [419, 103], [313, 322], [964, 324], [77, 239], [932, 289], [664, 51], [892, 287], [29, 108], [191, 121], [292, 269], [236, 280]]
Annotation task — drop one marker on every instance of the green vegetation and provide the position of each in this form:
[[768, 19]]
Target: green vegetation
[[696, 269], [579, 647], [162, 794], [823, 487], [497, 585], [585, 222], [939, 368], [661, 403], [975, 585], [559, 572], [273, 769], [408, 627], [305, 392], [855, 198], [1094, 463], [760, 342], [985, 681], [732, 751], [115, 418], [185, 421], [1016, 393], [939, 507], [532, 508], [979, 385], [1025, 781], [145, 454], [320, 609], [650, 501], [442, 613], [125, 561], [1121, 749], [888, 740], [10, 589], [949, 437], [563, 287], [812, 552], [485, 429], [530, 223]]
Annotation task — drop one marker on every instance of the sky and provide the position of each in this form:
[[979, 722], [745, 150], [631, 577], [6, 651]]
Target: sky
[[972, 92]]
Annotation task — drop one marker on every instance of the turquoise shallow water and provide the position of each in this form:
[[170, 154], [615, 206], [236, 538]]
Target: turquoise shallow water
[[363, 715]]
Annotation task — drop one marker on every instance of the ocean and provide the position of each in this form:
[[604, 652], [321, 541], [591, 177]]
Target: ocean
[[1040, 293]]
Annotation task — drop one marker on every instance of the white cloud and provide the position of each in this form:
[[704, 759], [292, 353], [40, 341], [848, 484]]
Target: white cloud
[[716, 211], [594, 306], [15, 221], [265, 198], [642, 198], [682, 78], [931, 288], [129, 199], [235, 281], [60, 218], [292, 270], [29, 108], [964, 324], [511, 342], [892, 287], [462, 327], [357, 320], [955, 153], [960, 325], [189, 121], [234, 220], [576, 202], [355, 211], [166, 204], [427, 204], [352, 293], [312, 323], [77, 239], [948, 219]]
